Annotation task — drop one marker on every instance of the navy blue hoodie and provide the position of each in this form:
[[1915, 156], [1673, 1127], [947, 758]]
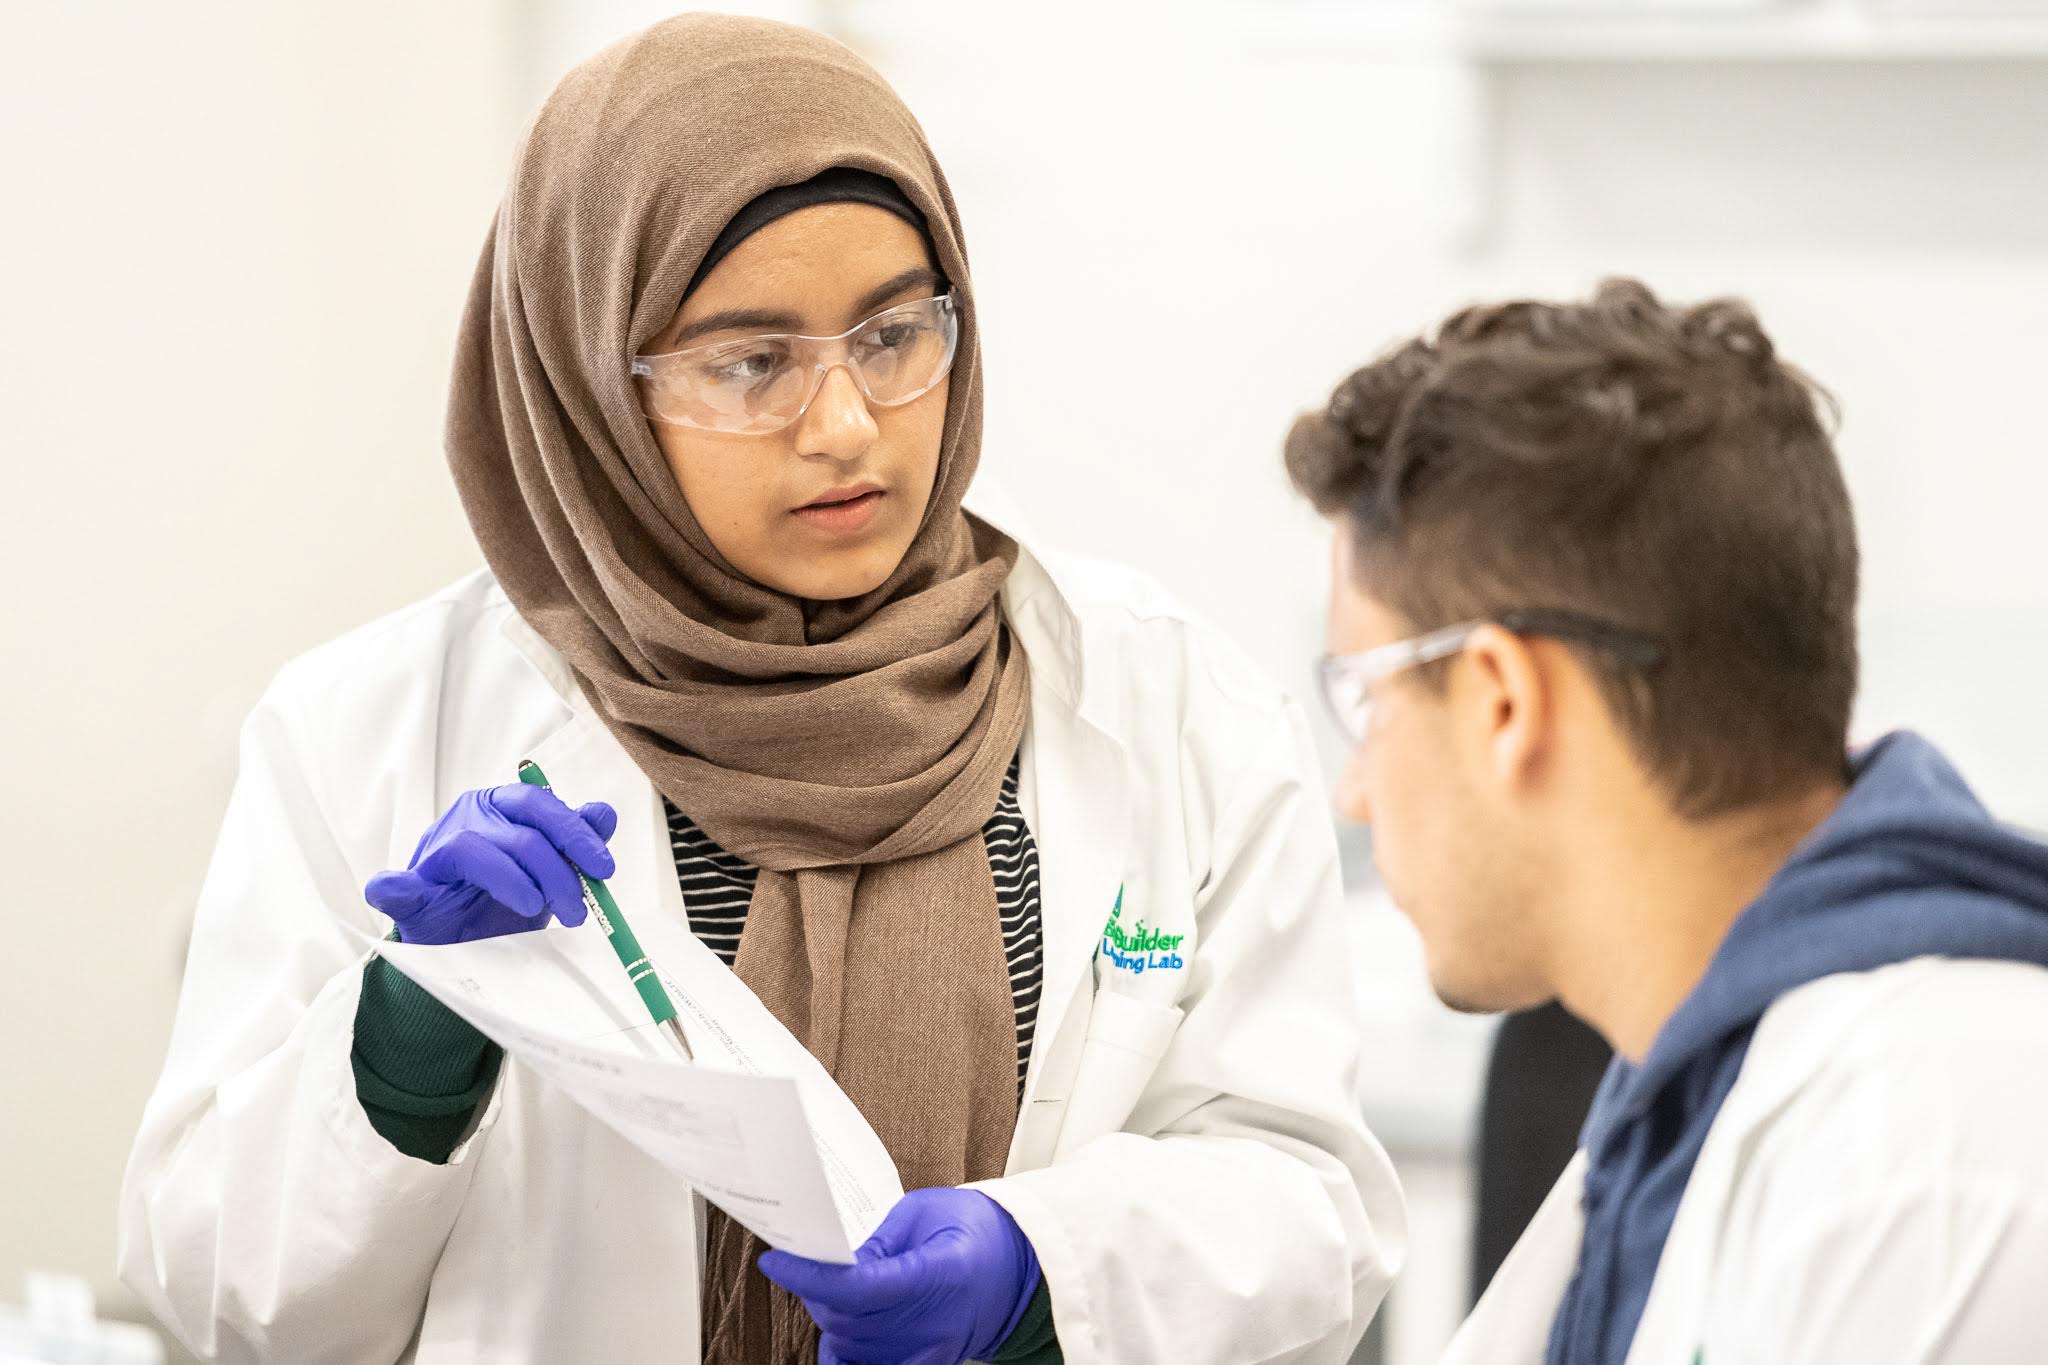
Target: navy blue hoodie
[[1909, 865]]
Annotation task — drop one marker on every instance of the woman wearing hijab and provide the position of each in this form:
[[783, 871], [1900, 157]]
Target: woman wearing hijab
[[1032, 863]]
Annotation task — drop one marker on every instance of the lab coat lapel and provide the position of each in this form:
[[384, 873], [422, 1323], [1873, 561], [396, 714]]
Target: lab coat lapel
[[1083, 828], [1081, 822]]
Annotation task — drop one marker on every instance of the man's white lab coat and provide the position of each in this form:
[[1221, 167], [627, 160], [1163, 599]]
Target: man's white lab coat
[[1874, 1188]]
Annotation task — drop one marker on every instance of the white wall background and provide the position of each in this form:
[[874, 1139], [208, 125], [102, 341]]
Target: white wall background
[[236, 236]]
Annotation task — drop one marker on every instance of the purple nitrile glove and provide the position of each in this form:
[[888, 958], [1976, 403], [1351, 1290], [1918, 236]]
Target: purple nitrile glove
[[945, 1278], [500, 861]]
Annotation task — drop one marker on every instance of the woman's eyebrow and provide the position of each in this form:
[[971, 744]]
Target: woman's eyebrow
[[764, 320], [732, 319], [922, 275]]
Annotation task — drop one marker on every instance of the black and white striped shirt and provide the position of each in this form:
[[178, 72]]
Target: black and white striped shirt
[[718, 887]]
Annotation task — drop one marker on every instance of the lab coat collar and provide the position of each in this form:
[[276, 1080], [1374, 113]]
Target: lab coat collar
[[1037, 602]]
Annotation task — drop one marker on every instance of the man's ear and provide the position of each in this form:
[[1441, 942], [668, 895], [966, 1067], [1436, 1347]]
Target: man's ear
[[1505, 699]]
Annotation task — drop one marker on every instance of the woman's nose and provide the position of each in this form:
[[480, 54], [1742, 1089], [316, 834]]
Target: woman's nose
[[837, 423]]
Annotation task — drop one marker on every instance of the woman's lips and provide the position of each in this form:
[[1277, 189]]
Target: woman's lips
[[844, 517]]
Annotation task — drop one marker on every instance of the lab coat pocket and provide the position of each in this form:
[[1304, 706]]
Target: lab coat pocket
[[1126, 1039]]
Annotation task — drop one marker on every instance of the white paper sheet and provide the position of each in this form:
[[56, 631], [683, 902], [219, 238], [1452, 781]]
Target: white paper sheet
[[755, 1125]]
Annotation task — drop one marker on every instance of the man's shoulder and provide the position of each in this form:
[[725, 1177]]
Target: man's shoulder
[[1909, 1069], [1925, 1010], [1882, 1183]]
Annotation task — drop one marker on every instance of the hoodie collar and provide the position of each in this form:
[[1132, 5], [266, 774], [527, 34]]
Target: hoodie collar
[[1909, 864]]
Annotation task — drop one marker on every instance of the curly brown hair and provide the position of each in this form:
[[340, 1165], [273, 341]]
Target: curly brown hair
[[1657, 467]]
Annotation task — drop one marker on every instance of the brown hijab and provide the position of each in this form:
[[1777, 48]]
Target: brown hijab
[[852, 750]]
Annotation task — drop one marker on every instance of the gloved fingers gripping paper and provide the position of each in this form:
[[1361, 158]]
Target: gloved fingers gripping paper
[[756, 1125]]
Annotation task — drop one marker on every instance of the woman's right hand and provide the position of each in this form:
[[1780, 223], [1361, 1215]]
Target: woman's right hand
[[500, 861]]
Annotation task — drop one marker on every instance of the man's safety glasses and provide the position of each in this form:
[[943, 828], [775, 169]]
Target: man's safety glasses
[[1348, 679], [758, 385]]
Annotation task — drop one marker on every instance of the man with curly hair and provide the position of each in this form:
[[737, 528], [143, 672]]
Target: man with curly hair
[[1592, 637]]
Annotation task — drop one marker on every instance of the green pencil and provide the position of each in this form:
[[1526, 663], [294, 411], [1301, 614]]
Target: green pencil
[[597, 899]]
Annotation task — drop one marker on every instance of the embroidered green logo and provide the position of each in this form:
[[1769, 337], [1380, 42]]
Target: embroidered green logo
[[1137, 948]]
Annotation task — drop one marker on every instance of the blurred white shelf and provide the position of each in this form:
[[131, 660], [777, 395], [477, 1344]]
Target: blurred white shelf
[[1813, 32], [1489, 41], [1493, 33]]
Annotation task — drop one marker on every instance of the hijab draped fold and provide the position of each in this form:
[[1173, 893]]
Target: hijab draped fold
[[851, 750]]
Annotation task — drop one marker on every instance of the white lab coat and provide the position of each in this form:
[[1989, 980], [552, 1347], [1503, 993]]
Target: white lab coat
[[1190, 1160], [1874, 1188]]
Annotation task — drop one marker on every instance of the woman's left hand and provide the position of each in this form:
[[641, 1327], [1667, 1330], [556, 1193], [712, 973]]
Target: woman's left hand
[[945, 1278]]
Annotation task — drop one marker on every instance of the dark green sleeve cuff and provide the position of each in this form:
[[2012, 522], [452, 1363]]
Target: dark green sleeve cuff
[[1034, 1341], [421, 1069]]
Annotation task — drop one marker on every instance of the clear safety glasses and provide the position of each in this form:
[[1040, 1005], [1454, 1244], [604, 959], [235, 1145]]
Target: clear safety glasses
[[758, 385], [1348, 679]]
